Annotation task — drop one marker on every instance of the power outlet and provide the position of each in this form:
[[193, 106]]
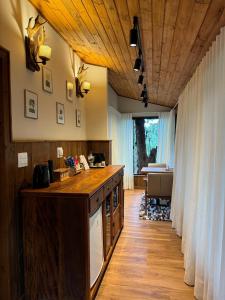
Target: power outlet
[[59, 152]]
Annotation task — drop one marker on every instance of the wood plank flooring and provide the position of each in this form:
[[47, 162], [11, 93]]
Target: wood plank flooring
[[147, 262]]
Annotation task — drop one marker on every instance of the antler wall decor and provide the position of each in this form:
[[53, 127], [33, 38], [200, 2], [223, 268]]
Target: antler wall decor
[[82, 86], [35, 44]]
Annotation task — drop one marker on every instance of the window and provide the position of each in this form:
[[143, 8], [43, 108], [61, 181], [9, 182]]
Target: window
[[145, 142]]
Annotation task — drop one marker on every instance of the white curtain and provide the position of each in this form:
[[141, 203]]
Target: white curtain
[[165, 151], [121, 134], [115, 134], [198, 201], [127, 150]]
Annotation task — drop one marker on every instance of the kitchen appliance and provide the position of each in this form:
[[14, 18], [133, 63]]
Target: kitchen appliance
[[41, 177], [96, 245]]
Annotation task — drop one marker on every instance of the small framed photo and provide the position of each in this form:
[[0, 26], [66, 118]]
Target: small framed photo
[[69, 90], [30, 104], [60, 114], [78, 118], [47, 80]]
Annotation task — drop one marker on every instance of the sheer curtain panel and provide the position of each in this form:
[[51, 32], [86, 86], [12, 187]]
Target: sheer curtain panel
[[121, 134], [165, 151], [127, 149], [198, 201], [115, 134]]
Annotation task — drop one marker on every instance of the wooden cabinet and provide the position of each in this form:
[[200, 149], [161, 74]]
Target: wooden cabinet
[[56, 233]]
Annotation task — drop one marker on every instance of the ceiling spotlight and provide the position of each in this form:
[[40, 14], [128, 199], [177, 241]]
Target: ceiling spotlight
[[134, 33], [140, 79], [133, 37], [145, 100], [137, 64], [144, 92]]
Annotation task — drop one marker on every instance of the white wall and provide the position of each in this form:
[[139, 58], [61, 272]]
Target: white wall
[[127, 105], [112, 98], [14, 17], [96, 104]]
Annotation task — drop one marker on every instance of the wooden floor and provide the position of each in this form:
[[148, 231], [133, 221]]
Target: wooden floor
[[147, 262]]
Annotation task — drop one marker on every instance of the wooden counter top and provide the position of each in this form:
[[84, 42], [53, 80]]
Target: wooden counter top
[[85, 183]]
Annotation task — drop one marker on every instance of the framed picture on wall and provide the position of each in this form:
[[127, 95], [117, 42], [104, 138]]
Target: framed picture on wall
[[30, 104], [47, 80], [60, 113], [78, 118]]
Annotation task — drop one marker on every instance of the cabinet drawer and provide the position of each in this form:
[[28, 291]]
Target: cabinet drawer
[[108, 187], [95, 201]]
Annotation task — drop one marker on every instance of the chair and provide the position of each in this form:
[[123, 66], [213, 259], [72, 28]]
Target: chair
[[158, 185], [156, 165]]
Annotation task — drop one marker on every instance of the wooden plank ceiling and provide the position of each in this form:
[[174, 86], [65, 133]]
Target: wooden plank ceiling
[[175, 35]]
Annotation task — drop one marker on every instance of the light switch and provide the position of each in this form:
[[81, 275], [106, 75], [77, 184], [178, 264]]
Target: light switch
[[59, 152], [22, 160]]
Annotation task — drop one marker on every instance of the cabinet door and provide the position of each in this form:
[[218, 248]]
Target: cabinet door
[[116, 222], [116, 197], [121, 193], [107, 221]]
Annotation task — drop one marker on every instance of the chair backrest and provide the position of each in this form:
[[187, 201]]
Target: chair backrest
[[155, 165], [160, 184]]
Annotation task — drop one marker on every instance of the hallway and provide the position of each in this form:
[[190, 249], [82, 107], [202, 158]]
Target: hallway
[[147, 263]]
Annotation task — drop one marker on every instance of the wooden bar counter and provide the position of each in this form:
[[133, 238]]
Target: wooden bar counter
[[59, 243]]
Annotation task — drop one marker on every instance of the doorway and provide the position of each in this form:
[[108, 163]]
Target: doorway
[[8, 251]]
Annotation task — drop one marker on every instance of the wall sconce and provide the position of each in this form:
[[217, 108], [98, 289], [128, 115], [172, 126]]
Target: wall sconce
[[85, 86], [34, 45], [69, 90], [82, 87]]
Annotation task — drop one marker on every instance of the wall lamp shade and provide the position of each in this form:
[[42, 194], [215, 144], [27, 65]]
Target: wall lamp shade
[[86, 86], [44, 53], [69, 85], [82, 87], [137, 64], [140, 79], [133, 37]]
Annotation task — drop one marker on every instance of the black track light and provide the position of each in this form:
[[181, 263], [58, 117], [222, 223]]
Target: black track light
[[140, 79], [134, 33], [142, 94], [133, 37], [137, 64], [145, 100]]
